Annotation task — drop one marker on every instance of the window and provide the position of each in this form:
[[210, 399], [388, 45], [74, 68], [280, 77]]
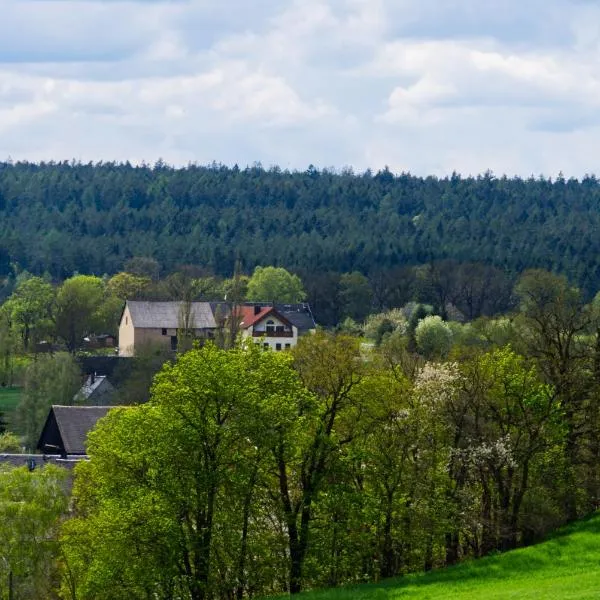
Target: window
[[270, 326], [288, 346], [164, 331], [173, 342], [126, 320], [279, 329], [266, 345], [278, 347]]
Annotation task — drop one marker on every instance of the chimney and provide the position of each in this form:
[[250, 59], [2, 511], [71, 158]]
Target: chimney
[[256, 309]]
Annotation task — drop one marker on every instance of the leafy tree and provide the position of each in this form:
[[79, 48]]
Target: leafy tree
[[8, 348], [555, 319], [125, 285], [517, 420], [31, 308], [433, 337], [79, 300], [303, 448], [356, 295], [51, 379], [378, 325], [32, 505], [154, 516], [269, 284], [143, 266]]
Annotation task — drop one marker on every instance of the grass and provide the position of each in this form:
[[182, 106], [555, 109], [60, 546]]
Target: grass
[[565, 567], [9, 398]]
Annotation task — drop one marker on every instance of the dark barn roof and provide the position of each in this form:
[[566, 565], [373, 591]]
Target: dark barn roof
[[66, 428]]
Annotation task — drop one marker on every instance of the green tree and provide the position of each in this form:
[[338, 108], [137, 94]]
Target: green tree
[[311, 433], [79, 301], [274, 284], [32, 505], [433, 337], [51, 379], [127, 286], [355, 295], [174, 518], [556, 321], [31, 309], [10, 442]]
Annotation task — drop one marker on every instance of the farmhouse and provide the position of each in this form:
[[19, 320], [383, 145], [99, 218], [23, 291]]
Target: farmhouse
[[267, 326], [275, 326], [147, 322]]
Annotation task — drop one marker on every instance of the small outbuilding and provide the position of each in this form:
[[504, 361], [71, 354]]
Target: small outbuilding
[[66, 429]]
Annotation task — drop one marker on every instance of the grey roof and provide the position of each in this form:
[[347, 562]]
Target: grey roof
[[75, 422], [97, 388], [298, 315], [166, 315]]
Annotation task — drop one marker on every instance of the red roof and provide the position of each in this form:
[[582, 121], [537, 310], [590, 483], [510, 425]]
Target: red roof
[[249, 317]]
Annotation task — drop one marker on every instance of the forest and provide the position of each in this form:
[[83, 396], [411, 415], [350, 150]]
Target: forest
[[402, 443], [447, 408], [62, 218]]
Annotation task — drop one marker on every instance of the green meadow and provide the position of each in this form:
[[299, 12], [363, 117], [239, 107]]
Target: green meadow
[[565, 567], [9, 398]]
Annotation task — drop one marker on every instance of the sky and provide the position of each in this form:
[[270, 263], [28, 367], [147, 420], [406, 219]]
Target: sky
[[423, 86]]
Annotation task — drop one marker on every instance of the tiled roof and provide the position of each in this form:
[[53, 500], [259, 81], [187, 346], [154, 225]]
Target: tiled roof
[[250, 317], [168, 314]]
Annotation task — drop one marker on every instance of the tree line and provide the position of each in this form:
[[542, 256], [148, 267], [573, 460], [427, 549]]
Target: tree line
[[61, 218]]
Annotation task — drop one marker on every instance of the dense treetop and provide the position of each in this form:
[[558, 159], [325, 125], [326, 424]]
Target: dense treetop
[[63, 218]]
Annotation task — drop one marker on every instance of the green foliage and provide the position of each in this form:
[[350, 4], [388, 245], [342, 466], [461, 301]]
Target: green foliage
[[10, 443], [79, 300], [378, 326], [127, 286], [50, 379], [95, 218], [356, 295], [433, 337], [169, 515], [31, 507], [31, 309], [565, 566], [274, 284]]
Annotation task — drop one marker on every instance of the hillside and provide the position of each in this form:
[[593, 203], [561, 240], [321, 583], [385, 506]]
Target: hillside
[[566, 566], [66, 217]]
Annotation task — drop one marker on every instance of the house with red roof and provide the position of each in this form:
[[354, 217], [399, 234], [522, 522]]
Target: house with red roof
[[266, 326]]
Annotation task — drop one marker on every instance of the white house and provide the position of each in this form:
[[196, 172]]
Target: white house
[[268, 327]]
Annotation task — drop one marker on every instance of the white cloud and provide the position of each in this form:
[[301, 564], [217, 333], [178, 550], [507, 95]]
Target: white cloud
[[420, 85]]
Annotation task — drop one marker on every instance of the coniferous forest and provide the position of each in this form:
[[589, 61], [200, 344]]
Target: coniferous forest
[[451, 408], [61, 218]]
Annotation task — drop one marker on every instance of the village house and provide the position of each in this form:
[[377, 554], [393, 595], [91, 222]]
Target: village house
[[265, 325], [157, 323], [275, 326]]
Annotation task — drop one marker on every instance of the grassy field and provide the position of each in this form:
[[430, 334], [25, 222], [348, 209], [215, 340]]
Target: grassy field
[[565, 567], [9, 398]]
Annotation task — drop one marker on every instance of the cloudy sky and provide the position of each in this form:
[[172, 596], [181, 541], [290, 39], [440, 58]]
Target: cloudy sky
[[427, 86]]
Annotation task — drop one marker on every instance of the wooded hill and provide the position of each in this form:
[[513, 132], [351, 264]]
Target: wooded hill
[[66, 217]]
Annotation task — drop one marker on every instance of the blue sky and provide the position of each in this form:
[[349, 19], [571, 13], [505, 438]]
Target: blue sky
[[427, 86]]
